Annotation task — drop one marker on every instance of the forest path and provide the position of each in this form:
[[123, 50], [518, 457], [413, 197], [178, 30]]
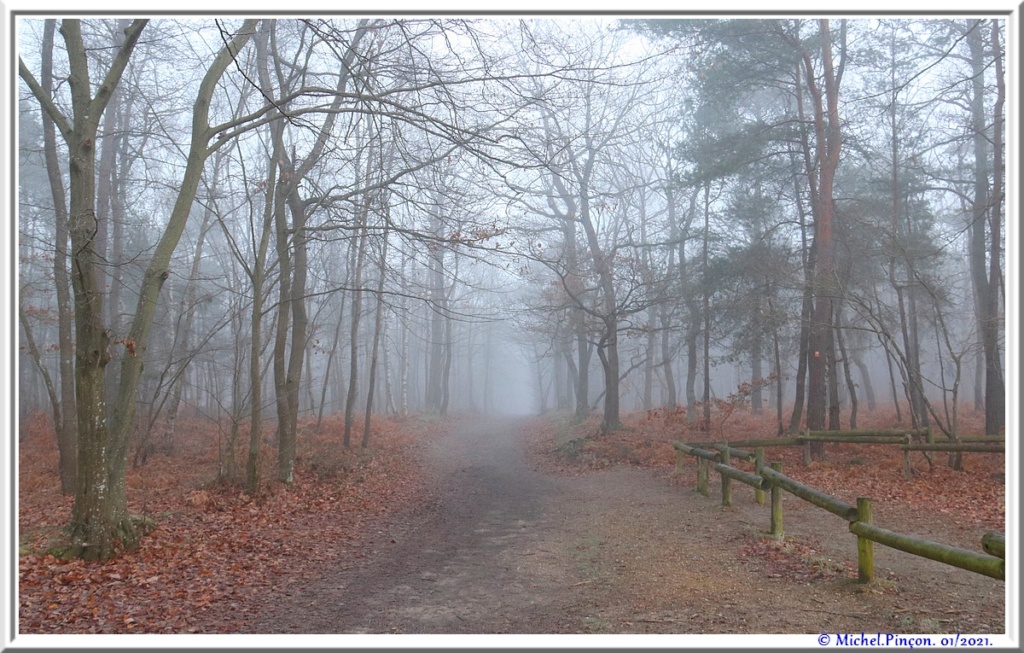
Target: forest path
[[500, 547]]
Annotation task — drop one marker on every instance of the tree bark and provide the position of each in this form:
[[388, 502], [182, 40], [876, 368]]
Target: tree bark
[[828, 141], [706, 311], [994, 384], [66, 426], [100, 522], [357, 309], [378, 322]]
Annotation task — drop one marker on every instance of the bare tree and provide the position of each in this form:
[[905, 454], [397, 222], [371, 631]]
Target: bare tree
[[100, 522]]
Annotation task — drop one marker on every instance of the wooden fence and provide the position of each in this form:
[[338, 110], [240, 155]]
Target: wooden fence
[[922, 440], [770, 477]]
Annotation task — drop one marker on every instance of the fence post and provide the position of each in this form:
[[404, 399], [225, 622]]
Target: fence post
[[777, 505], [930, 439], [865, 547], [702, 476], [908, 471], [758, 464], [726, 481], [679, 462]]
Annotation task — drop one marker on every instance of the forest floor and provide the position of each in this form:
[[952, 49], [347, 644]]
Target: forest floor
[[536, 526]]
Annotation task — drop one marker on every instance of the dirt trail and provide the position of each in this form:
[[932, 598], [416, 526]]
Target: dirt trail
[[500, 547]]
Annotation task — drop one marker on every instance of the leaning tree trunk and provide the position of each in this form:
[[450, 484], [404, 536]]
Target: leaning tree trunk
[[37, 359], [158, 271]]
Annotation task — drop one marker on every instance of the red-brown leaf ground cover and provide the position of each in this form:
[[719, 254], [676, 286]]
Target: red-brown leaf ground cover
[[216, 551], [213, 545], [974, 496], [966, 502]]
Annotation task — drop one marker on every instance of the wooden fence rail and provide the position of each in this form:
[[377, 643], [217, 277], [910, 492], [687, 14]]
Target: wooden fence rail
[[908, 439], [770, 477], [979, 563], [766, 442], [994, 544], [857, 439], [807, 493], [869, 433], [977, 447]]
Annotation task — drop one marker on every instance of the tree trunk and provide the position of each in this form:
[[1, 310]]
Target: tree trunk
[[994, 384], [157, 270], [51, 391], [706, 310], [183, 334], [330, 361], [377, 327], [403, 402], [892, 383], [832, 366], [252, 479], [827, 147], [671, 399], [692, 331], [446, 372], [756, 373], [778, 372], [66, 427], [844, 355], [807, 254], [99, 522], [259, 273], [608, 345], [648, 402], [357, 309]]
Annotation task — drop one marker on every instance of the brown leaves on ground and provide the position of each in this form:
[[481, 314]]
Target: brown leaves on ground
[[796, 560], [970, 501], [215, 550]]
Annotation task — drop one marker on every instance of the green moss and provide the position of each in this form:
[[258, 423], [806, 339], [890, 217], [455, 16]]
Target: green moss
[[571, 449]]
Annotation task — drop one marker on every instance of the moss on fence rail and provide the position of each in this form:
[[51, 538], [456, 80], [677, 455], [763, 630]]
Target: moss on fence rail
[[809, 494], [733, 451], [856, 439], [994, 544], [975, 447], [977, 562], [766, 442], [753, 480], [989, 564], [698, 452], [863, 433]]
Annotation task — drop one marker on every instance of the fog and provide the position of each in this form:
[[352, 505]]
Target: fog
[[282, 220]]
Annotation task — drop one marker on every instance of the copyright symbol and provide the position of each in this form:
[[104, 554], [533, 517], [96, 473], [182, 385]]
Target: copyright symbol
[[823, 639]]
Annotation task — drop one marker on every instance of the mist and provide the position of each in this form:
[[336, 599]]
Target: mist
[[273, 222]]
